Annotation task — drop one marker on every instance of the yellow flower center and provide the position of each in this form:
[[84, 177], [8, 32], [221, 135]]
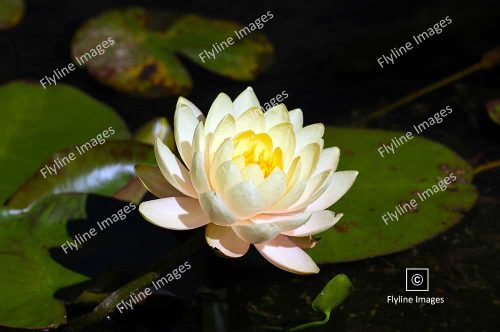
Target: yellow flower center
[[251, 148]]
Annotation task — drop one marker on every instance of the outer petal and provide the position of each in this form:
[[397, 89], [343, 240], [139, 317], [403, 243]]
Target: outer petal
[[173, 170], [309, 159], [247, 99], [341, 182], [276, 115], [244, 200], [290, 197], [319, 222], [225, 240], [328, 159], [255, 233], [155, 182], [310, 134], [198, 175], [283, 253], [215, 209], [185, 123], [315, 187], [178, 213], [221, 106], [296, 118], [285, 222]]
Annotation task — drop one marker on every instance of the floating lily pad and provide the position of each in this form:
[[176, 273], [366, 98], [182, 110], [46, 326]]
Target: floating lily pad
[[29, 277], [103, 170], [138, 50], [11, 12], [37, 122], [493, 108], [383, 184]]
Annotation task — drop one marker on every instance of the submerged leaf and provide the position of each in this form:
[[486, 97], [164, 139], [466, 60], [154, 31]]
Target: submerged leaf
[[11, 12], [37, 122], [141, 46], [386, 182], [493, 108]]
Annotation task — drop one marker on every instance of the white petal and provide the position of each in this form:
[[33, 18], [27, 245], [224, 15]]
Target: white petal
[[252, 172], [224, 130], [255, 233], [227, 176], [315, 187], [319, 222], [273, 187], [341, 182], [328, 159], [296, 118], [290, 197], [221, 106], [247, 99], [283, 137], [223, 153], [251, 119], [225, 240], [276, 115], [155, 182], [285, 222], [215, 209], [244, 200], [173, 170], [309, 160], [196, 111], [198, 175], [283, 253], [293, 172], [185, 123], [178, 213], [310, 134]]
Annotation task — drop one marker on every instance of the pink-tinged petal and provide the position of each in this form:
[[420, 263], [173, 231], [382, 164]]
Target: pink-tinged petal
[[216, 210], [155, 182], [185, 122], [255, 233], [328, 160], [247, 99], [319, 222], [296, 118], [226, 241], [286, 255], [340, 183], [173, 170], [177, 213]]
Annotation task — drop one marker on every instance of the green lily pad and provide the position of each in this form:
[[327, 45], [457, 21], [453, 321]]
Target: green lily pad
[[29, 277], [11, 12], [135, 51], [383, 184], [493, 108], [37, 122], [103, 170]]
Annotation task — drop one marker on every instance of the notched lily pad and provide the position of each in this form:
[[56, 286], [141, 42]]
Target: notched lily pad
[[383, 184], [29, 277], [142, 59], [11, 13]]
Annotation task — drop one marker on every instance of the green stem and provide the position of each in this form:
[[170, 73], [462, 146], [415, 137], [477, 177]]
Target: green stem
[[414, 95], [311, 324], [167, 263]]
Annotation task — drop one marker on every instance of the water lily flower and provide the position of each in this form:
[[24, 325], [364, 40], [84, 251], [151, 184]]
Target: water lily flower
[[250, 177]]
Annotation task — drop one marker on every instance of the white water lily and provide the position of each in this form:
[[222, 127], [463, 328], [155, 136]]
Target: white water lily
[[251, 177]]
